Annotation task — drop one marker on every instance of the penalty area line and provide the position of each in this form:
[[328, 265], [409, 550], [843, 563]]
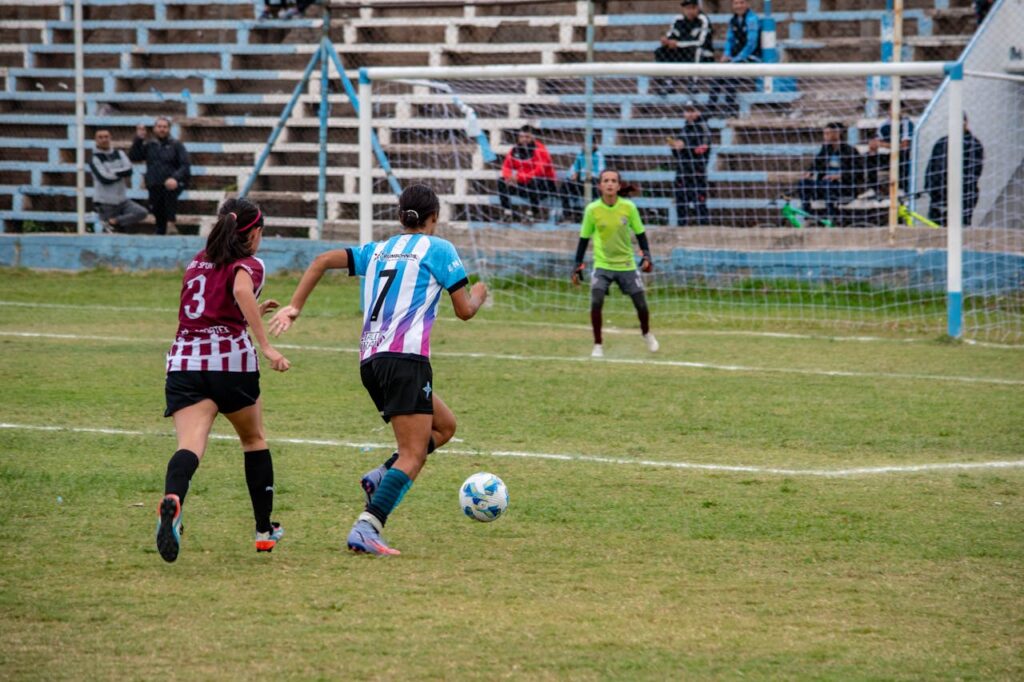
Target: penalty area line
[[611, 329], [565, 457]]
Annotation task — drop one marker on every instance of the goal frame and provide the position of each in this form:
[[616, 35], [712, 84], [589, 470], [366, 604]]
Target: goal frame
[[953, 71]]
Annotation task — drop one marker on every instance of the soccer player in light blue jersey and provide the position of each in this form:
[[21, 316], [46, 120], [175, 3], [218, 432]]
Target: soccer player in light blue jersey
[[405, 276]]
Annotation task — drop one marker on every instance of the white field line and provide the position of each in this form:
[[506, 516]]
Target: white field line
[[596, 459], [579, 359], [610, 329], [90, 306]]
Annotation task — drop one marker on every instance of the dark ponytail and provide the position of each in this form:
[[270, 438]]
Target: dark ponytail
[[416, 205], [229, 239]]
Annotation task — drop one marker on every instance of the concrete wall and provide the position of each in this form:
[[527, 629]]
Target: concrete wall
[[921, 269], [136, 252]]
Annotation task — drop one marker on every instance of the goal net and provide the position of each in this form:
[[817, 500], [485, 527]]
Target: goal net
[[764, 191]]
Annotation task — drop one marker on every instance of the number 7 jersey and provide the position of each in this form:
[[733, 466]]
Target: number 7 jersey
[[404, 277], [212, 332]]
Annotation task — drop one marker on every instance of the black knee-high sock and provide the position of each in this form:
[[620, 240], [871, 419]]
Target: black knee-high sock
[[595, 322], [259, 476], [642, 312], [180, 468]]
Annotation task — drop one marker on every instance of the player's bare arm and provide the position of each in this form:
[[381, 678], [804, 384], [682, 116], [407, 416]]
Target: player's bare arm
[[329, 260], [246, 299], [468, 301]]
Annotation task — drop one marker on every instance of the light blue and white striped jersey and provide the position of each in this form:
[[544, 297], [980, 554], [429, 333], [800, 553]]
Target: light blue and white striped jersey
[[404, 277]]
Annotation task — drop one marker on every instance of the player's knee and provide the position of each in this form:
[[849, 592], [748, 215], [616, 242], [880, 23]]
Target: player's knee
[[253, 440], [640, 302]]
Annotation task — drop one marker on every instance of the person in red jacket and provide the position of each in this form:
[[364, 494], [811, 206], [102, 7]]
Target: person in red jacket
[[527, 172]]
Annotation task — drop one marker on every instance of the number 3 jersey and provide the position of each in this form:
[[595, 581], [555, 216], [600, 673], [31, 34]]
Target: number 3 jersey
[[404, 277], [211, 328]]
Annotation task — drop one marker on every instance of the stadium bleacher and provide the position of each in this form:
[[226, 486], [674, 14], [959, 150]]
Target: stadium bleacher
[[225, 77]]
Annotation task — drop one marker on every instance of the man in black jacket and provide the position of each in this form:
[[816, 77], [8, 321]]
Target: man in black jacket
[[689, 40], [272, 10], [167, 171], [935, 177], [691, 150], [834, 176]]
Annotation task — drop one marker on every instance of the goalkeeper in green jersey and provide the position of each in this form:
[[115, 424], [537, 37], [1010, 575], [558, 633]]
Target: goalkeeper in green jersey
[[612, 220]]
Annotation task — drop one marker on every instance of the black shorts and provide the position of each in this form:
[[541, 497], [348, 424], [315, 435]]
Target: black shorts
[[232, 391], [399, 385]]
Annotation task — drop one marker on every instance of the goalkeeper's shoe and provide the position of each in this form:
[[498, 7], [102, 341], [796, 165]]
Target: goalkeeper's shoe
[[168, 529], [652, 343], [598, 351], [265, 542], [364, 538], [370, 481]]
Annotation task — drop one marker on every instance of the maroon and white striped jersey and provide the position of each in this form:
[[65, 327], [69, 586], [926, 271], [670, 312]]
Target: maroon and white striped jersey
[[211, 328]]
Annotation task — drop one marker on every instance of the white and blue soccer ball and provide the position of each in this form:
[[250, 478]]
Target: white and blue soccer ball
[[483, 497]]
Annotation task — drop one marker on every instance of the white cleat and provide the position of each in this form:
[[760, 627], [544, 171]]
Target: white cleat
[[598, 351], [652, 343]]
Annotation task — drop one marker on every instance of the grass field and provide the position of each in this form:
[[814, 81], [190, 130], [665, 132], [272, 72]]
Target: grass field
[[736, 506]]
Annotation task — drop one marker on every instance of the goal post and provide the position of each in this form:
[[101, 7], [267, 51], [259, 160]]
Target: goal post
[[746, 263]]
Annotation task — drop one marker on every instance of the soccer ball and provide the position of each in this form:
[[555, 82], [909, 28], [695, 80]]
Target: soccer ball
[[483, 497]]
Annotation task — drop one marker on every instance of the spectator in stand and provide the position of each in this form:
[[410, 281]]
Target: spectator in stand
[[878, 162], [935, 176], [111, 171], [576, 179], [167, 171], [528, 173], [981, 8], [272, 10], [742, 45], [691, 150], [834, 176], [688, 40]]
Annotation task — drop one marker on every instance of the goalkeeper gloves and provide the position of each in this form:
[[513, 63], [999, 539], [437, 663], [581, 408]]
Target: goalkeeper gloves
[[577, 273], [646, 264]]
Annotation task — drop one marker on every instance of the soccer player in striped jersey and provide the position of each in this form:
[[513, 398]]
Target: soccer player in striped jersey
[[404, 278], [212, 368], [611, 220]]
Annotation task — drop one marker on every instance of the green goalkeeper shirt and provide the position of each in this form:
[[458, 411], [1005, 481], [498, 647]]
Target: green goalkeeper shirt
[[612, 228]]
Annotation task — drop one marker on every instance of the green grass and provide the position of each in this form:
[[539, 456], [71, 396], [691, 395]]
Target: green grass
[[599, 570]]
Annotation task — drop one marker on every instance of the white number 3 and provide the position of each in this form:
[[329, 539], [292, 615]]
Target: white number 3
[[199, 284]]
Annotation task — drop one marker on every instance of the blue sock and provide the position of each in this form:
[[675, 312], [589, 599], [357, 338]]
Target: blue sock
[[389, 494]]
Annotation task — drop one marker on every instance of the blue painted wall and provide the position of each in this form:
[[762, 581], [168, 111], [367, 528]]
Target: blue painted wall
[[136, 252]]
